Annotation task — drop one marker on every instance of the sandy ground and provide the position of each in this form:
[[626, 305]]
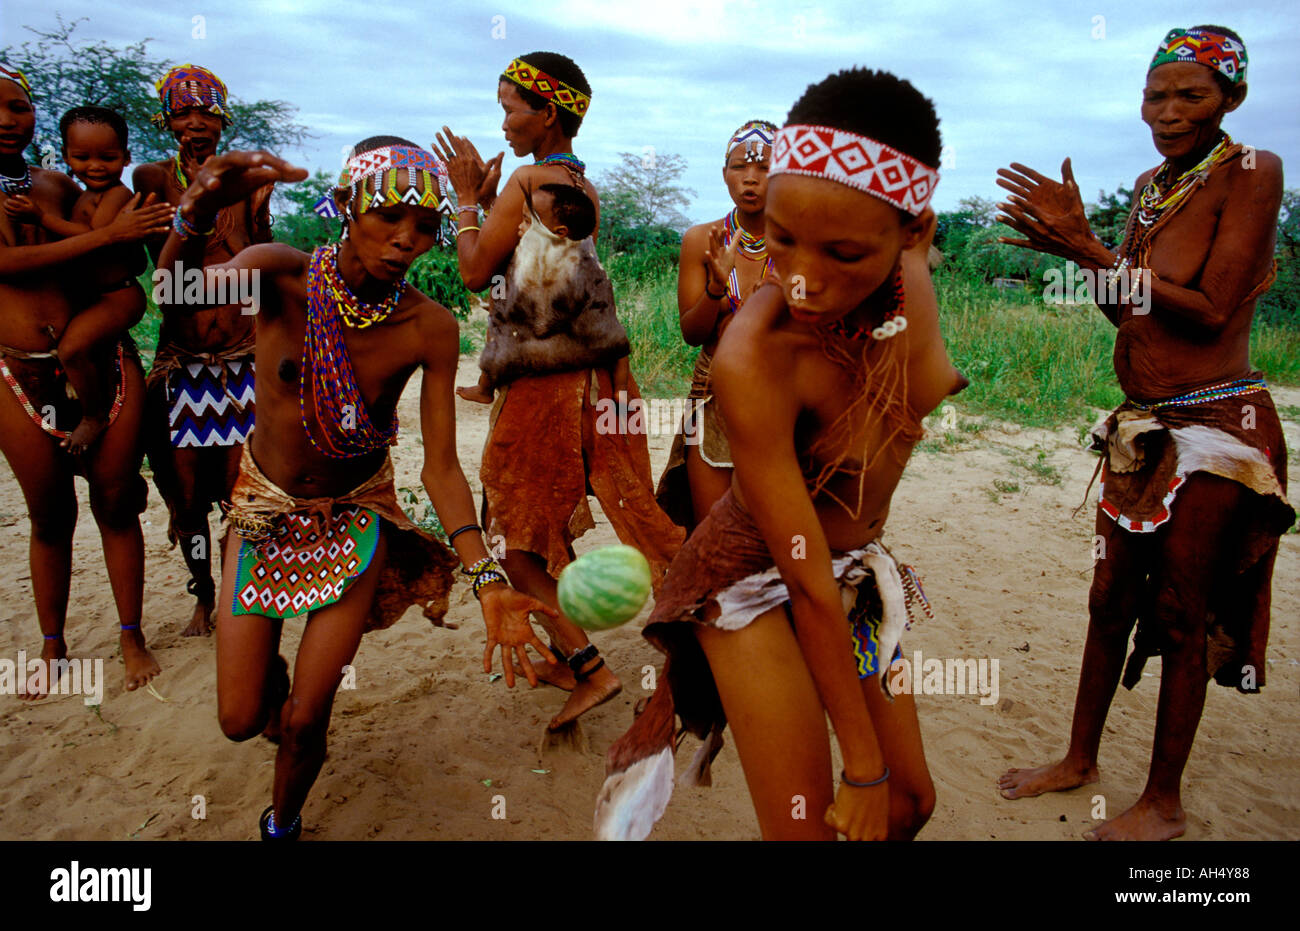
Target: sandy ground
[[426, 747]]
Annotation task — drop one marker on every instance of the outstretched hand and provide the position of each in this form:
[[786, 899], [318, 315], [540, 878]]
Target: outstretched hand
[[228, 178], [506, 616], [1049, 214], [141, 218]]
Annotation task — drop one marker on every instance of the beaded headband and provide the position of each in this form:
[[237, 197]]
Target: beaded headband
[[857, 161], [1205, 47], [191, 86], [754, 136], [8, 72], [553, 89], [385, 164]]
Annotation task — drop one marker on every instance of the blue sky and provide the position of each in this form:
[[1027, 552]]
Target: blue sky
[[1028, 81]]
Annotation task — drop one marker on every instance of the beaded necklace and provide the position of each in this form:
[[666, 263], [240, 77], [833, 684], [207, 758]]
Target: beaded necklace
[[19, 185], [1162, 198], [893, 323], [576, 167], [751, 247], [567, 159], [346, 427], [222, 224]]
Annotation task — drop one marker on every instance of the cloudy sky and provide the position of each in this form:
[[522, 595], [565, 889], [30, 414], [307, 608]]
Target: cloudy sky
[[1031, 81]]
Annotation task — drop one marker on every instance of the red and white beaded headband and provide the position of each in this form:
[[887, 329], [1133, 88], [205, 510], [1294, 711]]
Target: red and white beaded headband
[[857, 161]]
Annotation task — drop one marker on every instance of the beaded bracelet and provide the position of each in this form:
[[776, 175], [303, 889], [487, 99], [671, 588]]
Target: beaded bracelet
[[185, 229], [863, 785], [486, 564], [471, 207], [487, 577]]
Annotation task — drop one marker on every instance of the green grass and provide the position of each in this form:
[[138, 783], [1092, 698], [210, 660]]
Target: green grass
[[1030, 364], [1033, 365], [661, 360]]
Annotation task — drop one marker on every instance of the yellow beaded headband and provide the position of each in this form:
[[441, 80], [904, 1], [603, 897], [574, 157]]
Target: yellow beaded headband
[[532, 78]]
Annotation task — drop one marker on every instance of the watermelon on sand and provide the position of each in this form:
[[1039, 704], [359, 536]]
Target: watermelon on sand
[[605, 588]]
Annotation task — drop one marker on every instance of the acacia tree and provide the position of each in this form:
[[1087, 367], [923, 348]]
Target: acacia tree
[[646, 191], [67, 70]]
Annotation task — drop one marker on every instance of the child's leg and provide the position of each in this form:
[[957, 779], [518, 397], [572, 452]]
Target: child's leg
[[482, 392], [84, 352]]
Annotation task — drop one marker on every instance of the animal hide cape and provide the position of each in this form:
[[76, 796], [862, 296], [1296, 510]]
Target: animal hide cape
[[557, 313]]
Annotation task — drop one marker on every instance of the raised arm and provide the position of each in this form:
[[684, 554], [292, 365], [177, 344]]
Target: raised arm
[[224, 181], [760, 413], [505, 611]]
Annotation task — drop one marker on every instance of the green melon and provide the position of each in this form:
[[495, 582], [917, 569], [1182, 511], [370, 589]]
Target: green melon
[[605, 588]]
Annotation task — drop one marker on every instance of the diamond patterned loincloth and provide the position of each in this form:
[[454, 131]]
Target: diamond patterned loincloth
[[302, 568]]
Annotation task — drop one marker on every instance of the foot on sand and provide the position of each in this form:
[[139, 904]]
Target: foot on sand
[[557, 674], [84, 434], [140, 664], [1027, 783], [474, 393], [51, 650], [1146, 820], [201, 623], [596, 689], [277, 689]]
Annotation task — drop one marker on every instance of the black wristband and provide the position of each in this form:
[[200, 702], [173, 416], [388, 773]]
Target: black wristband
[[459, 530], [711, 296], [863, 785]]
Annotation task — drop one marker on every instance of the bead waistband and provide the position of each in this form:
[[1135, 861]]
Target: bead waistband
[[1226, 389]]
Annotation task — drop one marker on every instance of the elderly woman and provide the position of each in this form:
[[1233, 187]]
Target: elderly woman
[[1194, 462]]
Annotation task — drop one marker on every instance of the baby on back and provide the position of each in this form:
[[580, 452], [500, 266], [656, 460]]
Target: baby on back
[[557, 310]]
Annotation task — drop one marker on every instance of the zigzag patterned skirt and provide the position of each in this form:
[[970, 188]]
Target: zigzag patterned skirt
[[211, 405]]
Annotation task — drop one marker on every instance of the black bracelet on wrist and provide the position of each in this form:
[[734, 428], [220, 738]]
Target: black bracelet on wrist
[[863, 785], [451, 537], [713, 297]]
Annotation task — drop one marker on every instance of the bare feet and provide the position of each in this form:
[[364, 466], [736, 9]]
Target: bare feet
[[201, 623], [556, 674], [37, 686], [277, 687], [598, 688], [475, 393], [84, 434], [1146, 820], [1027, 783], [140, 664]]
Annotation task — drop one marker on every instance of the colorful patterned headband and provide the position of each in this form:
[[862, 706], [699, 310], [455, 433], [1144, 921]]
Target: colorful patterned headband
[[1205, 47], [385, 164], [856, 161], [191, 86], [7, 72], [556, 91], [754, 135]]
